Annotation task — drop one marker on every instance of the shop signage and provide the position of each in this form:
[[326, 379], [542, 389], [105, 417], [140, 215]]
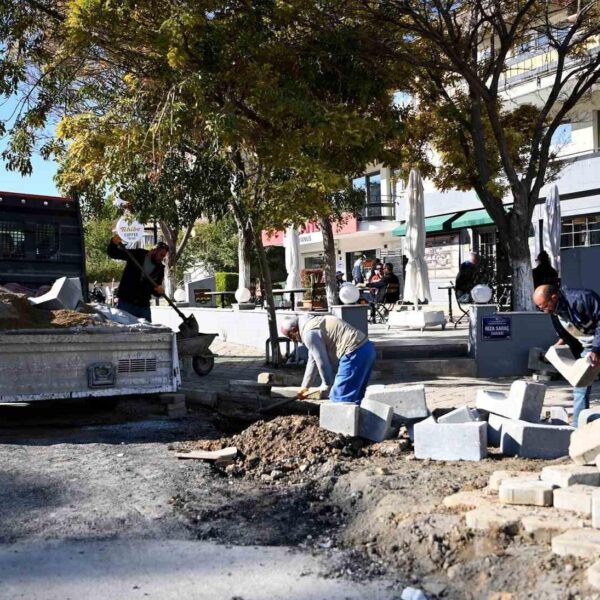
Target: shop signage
[[495, 327], [310, 233]]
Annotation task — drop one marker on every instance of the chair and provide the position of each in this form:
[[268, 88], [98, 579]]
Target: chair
[[461, 307], [385, 303]]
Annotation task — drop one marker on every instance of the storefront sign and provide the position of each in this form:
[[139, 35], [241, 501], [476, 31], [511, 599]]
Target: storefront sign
[[495, 327], [310, 233], [130, 231]]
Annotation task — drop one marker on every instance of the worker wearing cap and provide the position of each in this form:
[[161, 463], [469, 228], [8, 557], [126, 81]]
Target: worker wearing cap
[[340, 354], [135, 289]]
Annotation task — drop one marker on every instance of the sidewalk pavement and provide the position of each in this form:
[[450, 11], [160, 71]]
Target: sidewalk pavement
[[244, 362]]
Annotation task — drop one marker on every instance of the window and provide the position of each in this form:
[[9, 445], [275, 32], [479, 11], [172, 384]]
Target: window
[[12, 240], [580, 231], [563, 135], [371, 184]]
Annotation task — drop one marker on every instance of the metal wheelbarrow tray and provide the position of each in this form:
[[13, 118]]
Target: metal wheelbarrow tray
[[197, 347], [47, 364]]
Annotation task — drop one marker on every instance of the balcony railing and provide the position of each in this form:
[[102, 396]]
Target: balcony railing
[[381, 208]]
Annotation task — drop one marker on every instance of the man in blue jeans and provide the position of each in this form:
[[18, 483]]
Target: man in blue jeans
[[340, 354], [576, 317]]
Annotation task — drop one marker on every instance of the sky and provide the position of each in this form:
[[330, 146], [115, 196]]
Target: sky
[[40, 181]]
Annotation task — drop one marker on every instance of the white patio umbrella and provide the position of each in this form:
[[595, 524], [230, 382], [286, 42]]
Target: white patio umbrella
[[552, 227], [291, 243], [416, 286]]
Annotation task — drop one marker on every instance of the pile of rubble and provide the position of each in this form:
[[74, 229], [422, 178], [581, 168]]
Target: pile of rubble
[[290, 447], [559, 505]]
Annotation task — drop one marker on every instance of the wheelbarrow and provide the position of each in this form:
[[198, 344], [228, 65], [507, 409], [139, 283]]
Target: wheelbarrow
[[197, 347]]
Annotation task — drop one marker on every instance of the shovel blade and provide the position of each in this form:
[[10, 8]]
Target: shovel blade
[[189, 327]]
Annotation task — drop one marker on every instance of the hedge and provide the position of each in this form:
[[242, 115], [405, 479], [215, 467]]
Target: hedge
[[226, 282]]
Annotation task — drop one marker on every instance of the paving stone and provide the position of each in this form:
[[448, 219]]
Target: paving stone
[[64, 293], [374, 420], [201, 397], [495, 517], [577, 542], [464, 414], [578, 372], [408, 402], [531, 440], [450, 441], [596, 509], [340, 417], [248, 386], [566, 475], [536, 361], [497, 477], [175, 398], [593, 575], [544, 526], [524, 401], [587, 416], [494, 432], [585, 444], [558, 416], [525, 491], [576, 498], [468, 498]]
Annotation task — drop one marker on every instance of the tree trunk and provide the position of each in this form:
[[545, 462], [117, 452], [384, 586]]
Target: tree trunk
[[170, 281], [245, 240], [269, 302], [329, 261], [517, 245]]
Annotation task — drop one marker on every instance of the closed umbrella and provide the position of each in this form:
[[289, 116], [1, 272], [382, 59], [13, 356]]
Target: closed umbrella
[[291, 244], [416, 286], [552, 227]]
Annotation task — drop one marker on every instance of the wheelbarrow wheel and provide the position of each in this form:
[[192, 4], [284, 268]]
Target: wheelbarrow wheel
[[203, 365]]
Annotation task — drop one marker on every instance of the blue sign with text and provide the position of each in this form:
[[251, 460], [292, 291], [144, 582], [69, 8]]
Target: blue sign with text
[[495, 327]]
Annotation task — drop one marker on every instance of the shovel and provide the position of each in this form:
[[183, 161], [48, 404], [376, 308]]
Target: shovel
[[189, 328]]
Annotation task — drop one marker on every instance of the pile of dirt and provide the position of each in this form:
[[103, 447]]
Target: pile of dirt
[[287, 448], [17, 313]]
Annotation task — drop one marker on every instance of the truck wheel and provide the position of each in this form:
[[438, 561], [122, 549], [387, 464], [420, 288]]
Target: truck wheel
[[203, 365]]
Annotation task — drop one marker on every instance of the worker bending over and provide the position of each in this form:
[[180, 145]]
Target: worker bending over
[[340, 354]]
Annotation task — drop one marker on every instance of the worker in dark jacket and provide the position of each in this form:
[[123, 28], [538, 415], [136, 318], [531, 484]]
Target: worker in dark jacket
[[576, 317], [134, 289], [544, 272]]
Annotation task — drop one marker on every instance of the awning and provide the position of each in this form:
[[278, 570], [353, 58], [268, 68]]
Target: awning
[[473, 218], [432, 224]]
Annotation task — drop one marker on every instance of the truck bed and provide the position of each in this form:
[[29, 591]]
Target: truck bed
[[46, 364]]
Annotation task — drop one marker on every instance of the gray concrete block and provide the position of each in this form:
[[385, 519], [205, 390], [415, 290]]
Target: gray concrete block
[[340, 417], [587, 416], [374, 420], [494, 432], [248, 386], [408, 402], [577, 542], [537, 362], [576, 498], [525, 491], [585, 444], [566, 475], [64, 293], [201, 397], [558, 416], [464, 414], [497, 477], [596, 509], [524, 401], [577, 371], [450, 441], [534, 440]]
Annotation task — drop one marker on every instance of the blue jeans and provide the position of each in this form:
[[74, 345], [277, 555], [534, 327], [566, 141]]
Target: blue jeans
[[141, 312], [581, 396], [353, 375]]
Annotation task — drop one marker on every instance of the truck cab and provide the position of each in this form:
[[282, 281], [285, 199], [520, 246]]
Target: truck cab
[[41, 240]]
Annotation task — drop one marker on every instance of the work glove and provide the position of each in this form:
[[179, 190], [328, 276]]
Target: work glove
[[159, 290]]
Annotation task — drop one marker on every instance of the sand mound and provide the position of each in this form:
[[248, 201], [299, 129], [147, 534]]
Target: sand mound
[[17, 313]]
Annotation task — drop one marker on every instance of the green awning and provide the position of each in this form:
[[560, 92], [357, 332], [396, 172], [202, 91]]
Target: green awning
[[473, 218], [432, 224]]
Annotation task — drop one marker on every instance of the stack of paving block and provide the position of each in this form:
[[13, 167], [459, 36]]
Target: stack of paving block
[[379, 415], [515, 425]]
